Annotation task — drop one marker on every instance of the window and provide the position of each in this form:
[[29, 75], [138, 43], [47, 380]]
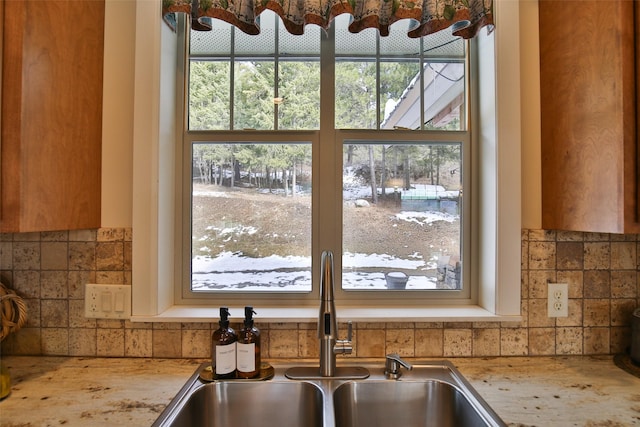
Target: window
[[497, 201], [261, 147]]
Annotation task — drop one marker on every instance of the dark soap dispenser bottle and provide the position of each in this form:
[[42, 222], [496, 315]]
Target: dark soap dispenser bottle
[[223, 348], [248, 347]]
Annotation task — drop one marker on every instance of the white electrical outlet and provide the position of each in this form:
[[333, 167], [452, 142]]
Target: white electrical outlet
[[107, 301], [558, 300]]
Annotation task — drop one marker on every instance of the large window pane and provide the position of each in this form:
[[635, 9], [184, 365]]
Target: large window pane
[[253, 95], [209, 95], [251, 217], [401, 216], [298, 99], [355, 91]]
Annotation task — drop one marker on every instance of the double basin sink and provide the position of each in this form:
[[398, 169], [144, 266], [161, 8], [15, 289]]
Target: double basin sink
[[431, 394]]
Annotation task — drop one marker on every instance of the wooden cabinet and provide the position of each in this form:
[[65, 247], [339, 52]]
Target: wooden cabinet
[[51, 119], [589, 78]]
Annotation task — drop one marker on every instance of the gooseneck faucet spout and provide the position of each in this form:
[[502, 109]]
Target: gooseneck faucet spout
[[330, 345]]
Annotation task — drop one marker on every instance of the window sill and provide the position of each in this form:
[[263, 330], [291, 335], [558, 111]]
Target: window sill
[[357, 314]]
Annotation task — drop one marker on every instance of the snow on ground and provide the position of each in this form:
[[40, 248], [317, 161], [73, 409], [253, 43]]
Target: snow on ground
[[234, 271]]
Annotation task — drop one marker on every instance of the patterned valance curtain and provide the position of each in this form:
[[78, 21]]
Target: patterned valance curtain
[[465, 17]]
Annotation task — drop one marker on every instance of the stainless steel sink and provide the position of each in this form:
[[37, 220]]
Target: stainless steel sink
[[270, 403], [420, 403], [431, 394]]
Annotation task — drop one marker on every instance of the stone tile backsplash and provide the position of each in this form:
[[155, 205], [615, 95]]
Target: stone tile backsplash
[[49, 271]]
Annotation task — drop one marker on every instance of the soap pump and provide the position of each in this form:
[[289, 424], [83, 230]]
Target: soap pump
[[248, 347], [223, 351]]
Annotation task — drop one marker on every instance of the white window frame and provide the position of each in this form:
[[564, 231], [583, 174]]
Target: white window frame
[[155, 194]]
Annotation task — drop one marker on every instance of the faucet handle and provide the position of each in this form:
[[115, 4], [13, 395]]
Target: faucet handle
[[392, 366], [345, 346]]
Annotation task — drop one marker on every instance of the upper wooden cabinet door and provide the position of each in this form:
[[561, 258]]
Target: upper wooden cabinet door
[[52, 63], [588, 112]]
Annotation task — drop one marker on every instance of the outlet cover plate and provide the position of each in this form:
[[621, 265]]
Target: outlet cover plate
[[107, 301], [558, 300]]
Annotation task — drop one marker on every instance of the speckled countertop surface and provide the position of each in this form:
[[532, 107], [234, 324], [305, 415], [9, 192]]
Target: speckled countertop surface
[[540, 391]]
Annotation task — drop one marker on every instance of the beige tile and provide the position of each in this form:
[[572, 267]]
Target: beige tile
[[371, 342], [110, 256], [597, 237], [6, 254], [524, 251], [54, 255], [569, 236], [26, 237], [524, 284], [128, 324], [400, 341], [196, 343], [110, 343], [82, 342], [111, 277], [429, 325], [542, 341], [597, 312], [538, 282], [308, 343], [110, 323], [429, 342], [166, 325], [570, 255], [27, 283], [54, 313], [76, 315], [514, 342], [53, 284], [26, 255], [569, 340], [574, 309], [597, 255], [542, 255], [82, 235], [457, 342], [596, 340], [623, 255], [33, 312], [110, 234], [54, 236], [55, 341], [138, 342], [201, 325], [399, 325], [597, 284], [283, 343], [264, 344], [82, 255], [167, 343], [77, 280], [538, 314], [486, 342], [542, 235], [624, 284], [574, 279]]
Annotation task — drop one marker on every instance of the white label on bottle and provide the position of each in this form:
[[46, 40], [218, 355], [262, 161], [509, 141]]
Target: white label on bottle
[[225, 358], [246, 357]]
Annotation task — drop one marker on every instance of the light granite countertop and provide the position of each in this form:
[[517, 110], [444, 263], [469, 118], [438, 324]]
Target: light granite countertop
[[524, 391]]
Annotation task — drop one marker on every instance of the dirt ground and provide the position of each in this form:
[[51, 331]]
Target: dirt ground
[[284, 226]]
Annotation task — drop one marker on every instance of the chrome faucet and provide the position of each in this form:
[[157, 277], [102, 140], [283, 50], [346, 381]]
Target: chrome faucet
[[330, 345]]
